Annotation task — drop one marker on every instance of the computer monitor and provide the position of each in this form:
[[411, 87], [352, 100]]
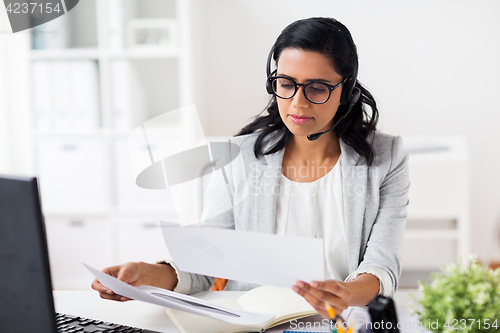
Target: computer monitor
[[26, 303]]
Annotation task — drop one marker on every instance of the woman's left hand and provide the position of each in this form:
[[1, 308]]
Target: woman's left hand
[[317, 293]]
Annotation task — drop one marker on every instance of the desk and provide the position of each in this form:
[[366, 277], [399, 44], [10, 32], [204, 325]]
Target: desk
[[143, 315]]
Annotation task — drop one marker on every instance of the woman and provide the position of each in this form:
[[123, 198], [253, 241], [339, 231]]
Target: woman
[[314, 165]]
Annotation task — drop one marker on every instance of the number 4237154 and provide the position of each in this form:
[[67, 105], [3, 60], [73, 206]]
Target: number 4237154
[[33, 7], [456, 324]]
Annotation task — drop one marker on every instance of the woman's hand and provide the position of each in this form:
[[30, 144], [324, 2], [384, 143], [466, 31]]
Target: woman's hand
[[334, 292], [340, 295], [137, 274]]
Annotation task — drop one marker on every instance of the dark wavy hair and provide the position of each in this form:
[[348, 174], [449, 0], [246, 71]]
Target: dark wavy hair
[[320, 34]]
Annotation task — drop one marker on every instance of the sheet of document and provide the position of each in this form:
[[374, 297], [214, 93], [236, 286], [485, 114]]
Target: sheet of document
[[265, 259], [170, 299]]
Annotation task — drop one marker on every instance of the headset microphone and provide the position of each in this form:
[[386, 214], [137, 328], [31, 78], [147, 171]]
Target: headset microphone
[[356, 93], [315, 136]]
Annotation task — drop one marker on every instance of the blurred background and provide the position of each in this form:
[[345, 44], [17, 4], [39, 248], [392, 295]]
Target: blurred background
[[72, 89]]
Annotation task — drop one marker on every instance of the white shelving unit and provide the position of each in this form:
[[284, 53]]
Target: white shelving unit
[[438, 227], [93, 210]]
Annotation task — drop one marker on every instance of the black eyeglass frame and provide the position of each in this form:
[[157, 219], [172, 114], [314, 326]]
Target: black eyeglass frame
[[304, 85]]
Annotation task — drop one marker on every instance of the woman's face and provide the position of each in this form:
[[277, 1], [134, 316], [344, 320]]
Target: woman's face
[[299, 115]]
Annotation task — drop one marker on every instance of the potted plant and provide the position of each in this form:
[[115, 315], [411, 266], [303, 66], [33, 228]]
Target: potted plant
[[461, 297]]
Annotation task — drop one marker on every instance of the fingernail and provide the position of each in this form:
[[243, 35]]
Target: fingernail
[[314, 284], [296, 289], [123, 299], [109, 292], [300, 284]]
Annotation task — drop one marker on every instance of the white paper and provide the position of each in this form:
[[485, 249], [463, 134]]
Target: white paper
[[178, 301], [265, 259]]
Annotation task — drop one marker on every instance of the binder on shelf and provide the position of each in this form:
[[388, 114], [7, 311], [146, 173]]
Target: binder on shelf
[[66, 95], [152, 33], [37, 38], [115, 24], [55, 34], [43, 101], [128, 99], [64, 120], [84, 94]]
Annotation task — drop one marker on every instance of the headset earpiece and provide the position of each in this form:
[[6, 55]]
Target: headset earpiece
[[269, 85], [346, 92], [356, 94]]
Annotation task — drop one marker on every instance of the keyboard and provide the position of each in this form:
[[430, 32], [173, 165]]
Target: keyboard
[[70, 324]]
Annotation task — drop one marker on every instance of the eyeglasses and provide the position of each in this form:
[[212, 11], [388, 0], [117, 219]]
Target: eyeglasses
[[315, 92]]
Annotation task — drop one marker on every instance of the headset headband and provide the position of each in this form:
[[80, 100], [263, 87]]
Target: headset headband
[[347, 93]]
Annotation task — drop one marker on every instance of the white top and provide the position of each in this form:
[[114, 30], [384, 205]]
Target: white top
[[315, 209]]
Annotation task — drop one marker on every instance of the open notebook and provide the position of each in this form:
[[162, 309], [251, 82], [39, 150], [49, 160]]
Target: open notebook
[[283, 303]]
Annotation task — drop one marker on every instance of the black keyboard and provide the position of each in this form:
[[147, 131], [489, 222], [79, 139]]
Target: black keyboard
[[69, 324]]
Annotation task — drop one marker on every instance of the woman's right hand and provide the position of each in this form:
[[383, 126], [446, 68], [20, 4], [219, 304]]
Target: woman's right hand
[[137, 274]]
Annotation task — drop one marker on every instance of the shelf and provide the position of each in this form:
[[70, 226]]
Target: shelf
[[436, 149], [65, 54], [75, 215], [138, 213], [145, 213], [168, 132], [431, 234], [71, 134], [95, 54], [146, 53], [83, 158], [443, 216]]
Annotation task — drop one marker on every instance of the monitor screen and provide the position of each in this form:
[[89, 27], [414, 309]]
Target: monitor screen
[[26, 303]]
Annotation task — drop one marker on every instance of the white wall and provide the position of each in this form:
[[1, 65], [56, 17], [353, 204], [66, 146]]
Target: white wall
[[16, 153], [433, 67]]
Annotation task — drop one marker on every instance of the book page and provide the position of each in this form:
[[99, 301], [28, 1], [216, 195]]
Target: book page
[[191, 323], [284, 303]]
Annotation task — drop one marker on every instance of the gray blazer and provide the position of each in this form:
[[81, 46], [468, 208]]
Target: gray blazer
[[375, 202]]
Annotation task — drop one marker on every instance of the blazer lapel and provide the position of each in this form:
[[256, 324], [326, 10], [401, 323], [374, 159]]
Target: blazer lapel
[[269, 176], [354, 182]]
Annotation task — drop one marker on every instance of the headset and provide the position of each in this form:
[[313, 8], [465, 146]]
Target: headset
[[350, 93]]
